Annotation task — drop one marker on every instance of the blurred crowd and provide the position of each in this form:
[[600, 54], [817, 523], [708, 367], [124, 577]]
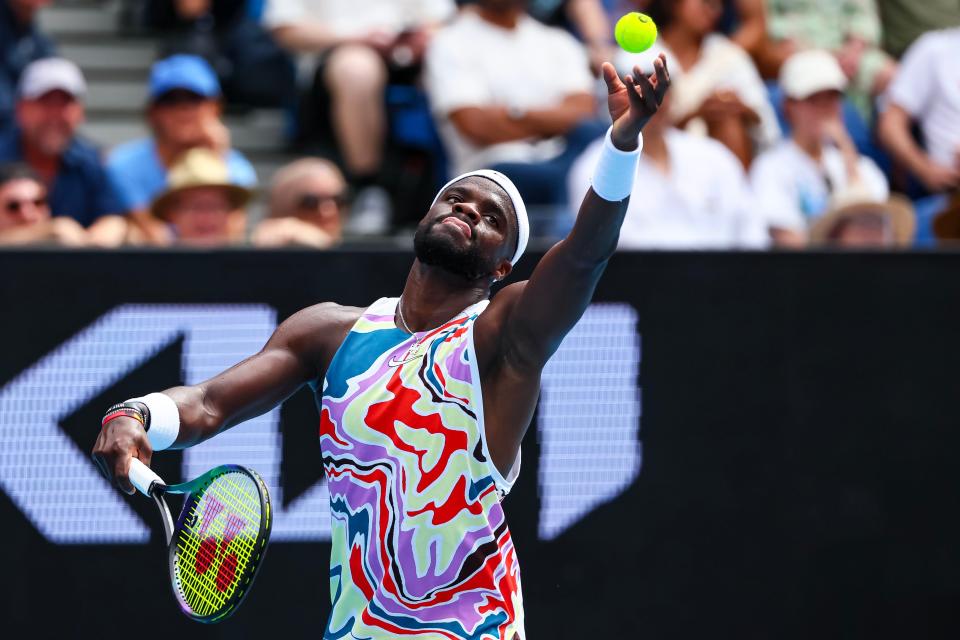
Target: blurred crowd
[[791, 123]]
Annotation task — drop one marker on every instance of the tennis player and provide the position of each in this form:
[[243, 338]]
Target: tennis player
[[424, 398]]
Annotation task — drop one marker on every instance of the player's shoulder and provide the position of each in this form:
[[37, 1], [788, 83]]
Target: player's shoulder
[[502, 302], [317, 327], [323, 315]]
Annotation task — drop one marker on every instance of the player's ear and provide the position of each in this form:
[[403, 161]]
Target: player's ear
[[502, 270]]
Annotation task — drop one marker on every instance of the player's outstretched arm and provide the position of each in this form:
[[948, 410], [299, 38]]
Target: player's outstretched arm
[[546, 307], [289, 359]]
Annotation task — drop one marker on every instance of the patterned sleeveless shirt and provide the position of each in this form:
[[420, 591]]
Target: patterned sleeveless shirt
[[421, 547]]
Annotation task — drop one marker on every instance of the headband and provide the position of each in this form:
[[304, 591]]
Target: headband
[[523, 225]]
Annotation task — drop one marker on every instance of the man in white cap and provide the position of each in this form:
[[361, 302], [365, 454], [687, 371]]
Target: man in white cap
[[423, 398], [48, 111], [794, 180]]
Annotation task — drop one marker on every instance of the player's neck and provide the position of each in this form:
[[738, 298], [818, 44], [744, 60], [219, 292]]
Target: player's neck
[[432, 296], [507, 18]]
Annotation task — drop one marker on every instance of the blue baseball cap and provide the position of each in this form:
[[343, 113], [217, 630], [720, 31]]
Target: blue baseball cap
[[182, 71]]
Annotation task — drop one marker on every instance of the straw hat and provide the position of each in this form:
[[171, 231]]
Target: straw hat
[[946, 224], [199, 167], [857, 200]]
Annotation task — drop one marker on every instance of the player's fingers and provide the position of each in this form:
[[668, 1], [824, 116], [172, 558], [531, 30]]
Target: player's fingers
[[636, 100], [646, 90], [611, 78], [662, 77], [145, 452], [121, 470], [101, 465]]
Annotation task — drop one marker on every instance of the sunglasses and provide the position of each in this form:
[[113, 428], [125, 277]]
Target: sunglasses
[[313, 201], [16, 206]]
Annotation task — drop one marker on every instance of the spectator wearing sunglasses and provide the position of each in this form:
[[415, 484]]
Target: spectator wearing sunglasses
[[25, 212], [306, 204], [184, 112], [48, 112]]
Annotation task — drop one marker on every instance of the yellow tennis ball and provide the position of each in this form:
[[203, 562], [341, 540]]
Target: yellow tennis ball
[[635, 32]]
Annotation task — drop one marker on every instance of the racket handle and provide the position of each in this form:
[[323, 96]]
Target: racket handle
[[142, 477]]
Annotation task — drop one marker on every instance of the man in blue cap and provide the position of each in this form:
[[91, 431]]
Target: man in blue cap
[[183, 112]]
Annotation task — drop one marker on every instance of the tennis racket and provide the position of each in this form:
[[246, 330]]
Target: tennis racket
[[217, 544]]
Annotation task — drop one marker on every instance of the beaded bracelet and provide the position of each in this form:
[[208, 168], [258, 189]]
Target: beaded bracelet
[[125, 409]]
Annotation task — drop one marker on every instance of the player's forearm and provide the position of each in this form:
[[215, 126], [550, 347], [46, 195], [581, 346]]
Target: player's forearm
[[596, 231], [198, 419]]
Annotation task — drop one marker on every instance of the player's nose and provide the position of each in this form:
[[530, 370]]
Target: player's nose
[[467, 209]]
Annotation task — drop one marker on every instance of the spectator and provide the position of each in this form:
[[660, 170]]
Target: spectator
[[307, 200], [690, 192], [794, 180], [20, 44], [361, 45], [25, 214], [716, 88], [904, 21], [49, 110], [252, 69], [183, 112], [855, 220], [511, 94], [926, 91], [589, 20], [773, 30], [202, 205]]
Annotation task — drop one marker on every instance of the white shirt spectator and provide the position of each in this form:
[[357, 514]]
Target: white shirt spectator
[[358, 17], [473, 63], [928, 88], [792, 189], [723, 66], [704, 202]]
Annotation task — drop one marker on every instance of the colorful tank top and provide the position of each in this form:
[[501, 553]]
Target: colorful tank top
[[421, 547]]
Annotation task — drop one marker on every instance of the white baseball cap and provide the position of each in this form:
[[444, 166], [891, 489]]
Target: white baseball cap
[[51, 74], [809, 72]]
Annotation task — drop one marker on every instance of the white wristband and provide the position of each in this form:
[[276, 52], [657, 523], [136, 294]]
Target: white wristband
[[615, 171], [164, 420]]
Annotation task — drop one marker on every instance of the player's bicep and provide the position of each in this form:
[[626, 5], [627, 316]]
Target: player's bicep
[[262, 381]]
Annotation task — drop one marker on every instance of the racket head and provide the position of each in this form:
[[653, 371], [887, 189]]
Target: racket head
[[219, 541]]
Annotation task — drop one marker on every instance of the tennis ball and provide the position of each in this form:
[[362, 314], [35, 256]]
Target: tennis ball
[[635, 32]]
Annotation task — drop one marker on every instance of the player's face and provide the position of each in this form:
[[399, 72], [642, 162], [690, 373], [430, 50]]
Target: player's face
[[471, 231]]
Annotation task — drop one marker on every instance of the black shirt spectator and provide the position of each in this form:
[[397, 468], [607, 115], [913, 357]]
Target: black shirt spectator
[[20, 44]]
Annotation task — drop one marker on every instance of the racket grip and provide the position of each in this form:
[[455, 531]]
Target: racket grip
[[142, 477]]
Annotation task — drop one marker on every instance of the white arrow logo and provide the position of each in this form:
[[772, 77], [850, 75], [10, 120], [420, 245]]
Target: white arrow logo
[[589, 416]]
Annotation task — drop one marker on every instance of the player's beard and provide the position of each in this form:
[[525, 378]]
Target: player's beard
[[438, 251]]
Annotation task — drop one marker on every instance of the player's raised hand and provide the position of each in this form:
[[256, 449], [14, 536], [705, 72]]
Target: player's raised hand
[[634, 99]]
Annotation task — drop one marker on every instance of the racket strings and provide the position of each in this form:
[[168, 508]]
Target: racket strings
[[217, 543]]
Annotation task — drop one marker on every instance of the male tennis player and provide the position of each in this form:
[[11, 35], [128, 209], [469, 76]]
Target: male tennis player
[[424, 398]]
